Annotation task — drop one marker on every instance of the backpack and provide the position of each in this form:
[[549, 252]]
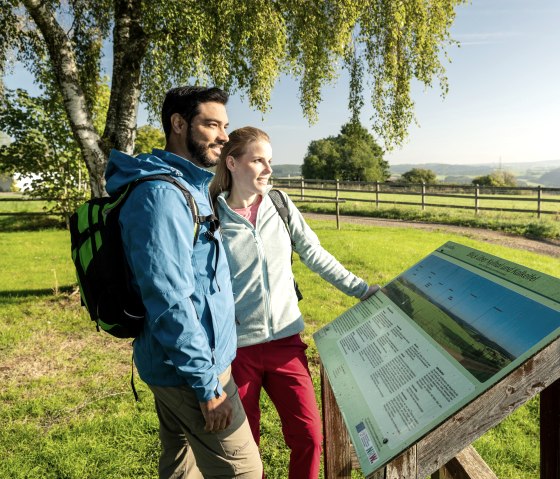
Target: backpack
[[281, 205], [102, 271]]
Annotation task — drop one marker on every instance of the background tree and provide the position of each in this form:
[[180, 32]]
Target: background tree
[[419, 175], [496, 178], [353, 155], [240, 46], [43, 152], [147, 138]]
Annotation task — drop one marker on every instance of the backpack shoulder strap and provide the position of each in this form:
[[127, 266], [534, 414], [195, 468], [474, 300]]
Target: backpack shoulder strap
[[279, 201], [197, 219]]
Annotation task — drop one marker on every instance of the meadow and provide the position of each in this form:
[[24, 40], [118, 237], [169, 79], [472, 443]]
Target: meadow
[[441, 206], [65, 399]]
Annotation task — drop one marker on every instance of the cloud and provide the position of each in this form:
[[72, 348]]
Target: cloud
[[487, 38]]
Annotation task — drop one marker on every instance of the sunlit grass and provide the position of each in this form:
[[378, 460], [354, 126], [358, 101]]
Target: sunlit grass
[[65, 401]]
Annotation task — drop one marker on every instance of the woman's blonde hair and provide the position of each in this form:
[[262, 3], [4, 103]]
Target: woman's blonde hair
[[236, 146]]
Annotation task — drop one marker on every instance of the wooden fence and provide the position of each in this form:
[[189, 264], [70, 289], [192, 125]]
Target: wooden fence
[[532, 200], [529, 200], [21, 201]]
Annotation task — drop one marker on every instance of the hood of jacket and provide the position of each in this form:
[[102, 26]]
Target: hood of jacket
[[123, 169]]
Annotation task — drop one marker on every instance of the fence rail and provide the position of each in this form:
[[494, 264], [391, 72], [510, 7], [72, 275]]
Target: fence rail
[[529, 200], [532, 200]]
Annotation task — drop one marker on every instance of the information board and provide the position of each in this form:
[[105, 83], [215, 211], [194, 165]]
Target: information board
[[430, 342]]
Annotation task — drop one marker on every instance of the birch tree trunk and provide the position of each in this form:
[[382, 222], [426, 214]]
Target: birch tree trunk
[[66, 74], [129, 46]]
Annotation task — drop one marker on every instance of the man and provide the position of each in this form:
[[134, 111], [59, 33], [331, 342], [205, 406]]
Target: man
[[188, 342]]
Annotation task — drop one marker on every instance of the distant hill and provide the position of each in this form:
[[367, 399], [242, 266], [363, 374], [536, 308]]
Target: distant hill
[[552, 178], [529, 172], [545, 173]]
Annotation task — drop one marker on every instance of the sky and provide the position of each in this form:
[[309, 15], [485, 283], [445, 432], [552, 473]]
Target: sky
[[503, 104]]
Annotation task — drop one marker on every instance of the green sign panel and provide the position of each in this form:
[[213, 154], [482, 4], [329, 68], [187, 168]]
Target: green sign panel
[[431, 341]]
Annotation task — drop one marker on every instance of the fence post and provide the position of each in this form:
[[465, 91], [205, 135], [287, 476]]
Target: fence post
[[423, 196], [336, 442], [550, 431], [377, 194], [302, 190], [337, 206], [539, 197], [476, 193]]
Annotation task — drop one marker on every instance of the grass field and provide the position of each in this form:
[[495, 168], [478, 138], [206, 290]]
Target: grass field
[[65, 399]]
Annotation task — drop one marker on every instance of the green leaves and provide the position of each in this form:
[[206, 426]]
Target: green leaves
[[147, 138], [353, 155], [419, 175], [43, 150], [242, 47]]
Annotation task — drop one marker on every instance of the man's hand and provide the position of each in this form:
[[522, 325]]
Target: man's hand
[[372, 289], [217, 412]]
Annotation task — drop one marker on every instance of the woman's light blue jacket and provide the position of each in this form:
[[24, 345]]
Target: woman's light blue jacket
[[266, 305], [189, 333]]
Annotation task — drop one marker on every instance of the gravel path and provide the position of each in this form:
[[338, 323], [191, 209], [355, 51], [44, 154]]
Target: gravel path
[[545, 247]]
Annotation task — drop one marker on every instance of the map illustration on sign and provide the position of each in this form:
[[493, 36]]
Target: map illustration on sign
[[431, 341]]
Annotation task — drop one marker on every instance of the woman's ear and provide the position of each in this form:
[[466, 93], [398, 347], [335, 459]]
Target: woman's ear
[[230, 162]]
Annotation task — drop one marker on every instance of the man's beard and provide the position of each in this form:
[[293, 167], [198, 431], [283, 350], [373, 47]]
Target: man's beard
[[199, 151]]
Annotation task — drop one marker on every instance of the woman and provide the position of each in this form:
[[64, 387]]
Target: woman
[[271, 354]]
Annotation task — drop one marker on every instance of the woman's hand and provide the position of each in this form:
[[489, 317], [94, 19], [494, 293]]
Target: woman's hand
[[372, 289]]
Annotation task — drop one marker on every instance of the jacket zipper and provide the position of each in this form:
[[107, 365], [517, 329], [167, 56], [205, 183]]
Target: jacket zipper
[[266, 289]]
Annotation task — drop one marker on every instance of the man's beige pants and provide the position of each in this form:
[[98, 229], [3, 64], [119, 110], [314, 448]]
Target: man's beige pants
[[231, 453]]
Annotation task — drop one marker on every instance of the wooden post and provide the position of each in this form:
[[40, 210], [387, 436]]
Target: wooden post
[[466, 465], [539, 197], [337, 206], [336, 442], [550, 431], [476, 194], [302, 189], [423, 196], [377, 194]]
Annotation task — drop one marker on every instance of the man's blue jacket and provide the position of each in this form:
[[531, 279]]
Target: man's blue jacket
[[189, 334]]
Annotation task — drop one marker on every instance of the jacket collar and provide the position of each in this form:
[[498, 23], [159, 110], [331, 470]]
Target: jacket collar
[[193, 174]]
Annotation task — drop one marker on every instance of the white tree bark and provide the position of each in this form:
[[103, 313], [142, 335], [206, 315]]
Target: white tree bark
[[67, 78]]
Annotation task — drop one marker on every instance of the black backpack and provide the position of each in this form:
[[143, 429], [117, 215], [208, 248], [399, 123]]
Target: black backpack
[[279, 201], [101, 267]]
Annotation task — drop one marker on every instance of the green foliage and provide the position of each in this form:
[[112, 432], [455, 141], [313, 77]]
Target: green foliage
[[43, 152], [240, 46], [147, 138], [419, 175], [542, 229], [496, 178], [353, 155]]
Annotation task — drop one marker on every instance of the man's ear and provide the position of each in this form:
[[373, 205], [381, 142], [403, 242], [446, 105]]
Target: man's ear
[[230, 162], [178, 123]]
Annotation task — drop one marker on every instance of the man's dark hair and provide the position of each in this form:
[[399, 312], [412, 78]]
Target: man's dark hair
[[185, 100]]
